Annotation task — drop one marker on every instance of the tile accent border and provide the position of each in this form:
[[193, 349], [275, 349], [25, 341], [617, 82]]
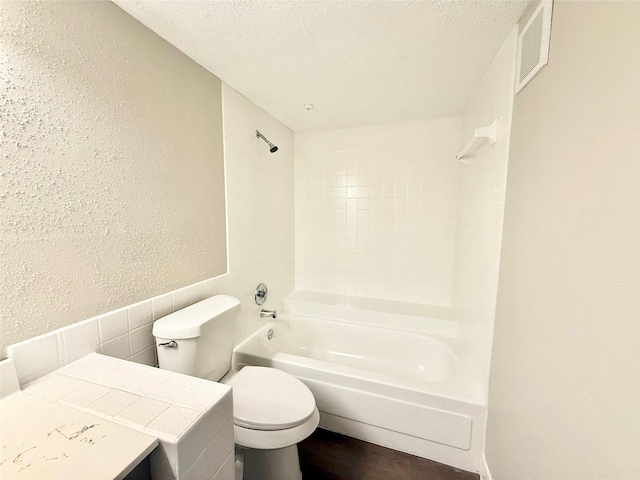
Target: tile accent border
[[124, 333]]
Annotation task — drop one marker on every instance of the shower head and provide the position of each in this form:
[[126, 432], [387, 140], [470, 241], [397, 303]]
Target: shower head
[[272, 147]]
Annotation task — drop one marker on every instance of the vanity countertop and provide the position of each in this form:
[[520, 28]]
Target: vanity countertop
[[41, 439]]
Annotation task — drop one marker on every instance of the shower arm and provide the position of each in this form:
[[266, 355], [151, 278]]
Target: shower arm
[[272, 147]]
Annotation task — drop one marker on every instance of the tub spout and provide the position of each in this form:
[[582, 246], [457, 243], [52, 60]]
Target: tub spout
[[268, 313]]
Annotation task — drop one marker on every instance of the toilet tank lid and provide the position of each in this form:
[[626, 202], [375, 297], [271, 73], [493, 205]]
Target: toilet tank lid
[[196, 319]]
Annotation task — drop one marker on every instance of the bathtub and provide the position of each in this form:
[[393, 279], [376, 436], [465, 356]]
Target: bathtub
[[402, 389]]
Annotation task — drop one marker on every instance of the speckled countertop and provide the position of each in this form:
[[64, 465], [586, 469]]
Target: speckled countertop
[[41, 439]]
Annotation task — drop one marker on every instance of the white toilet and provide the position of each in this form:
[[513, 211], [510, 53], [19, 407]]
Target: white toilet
[[272, 410]]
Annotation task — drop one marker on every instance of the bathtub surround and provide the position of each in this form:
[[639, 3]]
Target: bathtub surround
[[410, 317], [564, 377], [481, 199], [375, 211], [113, 185], [387, 213]]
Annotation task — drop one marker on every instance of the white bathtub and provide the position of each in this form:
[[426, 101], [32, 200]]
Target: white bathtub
[[404, 390]]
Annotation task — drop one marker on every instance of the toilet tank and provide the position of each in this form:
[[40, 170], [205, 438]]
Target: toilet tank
[[203, 335]]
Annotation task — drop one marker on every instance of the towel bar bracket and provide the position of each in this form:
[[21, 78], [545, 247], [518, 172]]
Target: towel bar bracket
[[489, 133]]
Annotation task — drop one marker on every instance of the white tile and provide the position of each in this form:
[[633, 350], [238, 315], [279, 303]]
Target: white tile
[[129, 375], [196, 292], [60, 338], [144, 382], [227, 470], [198, 470], [211, 287], [90, 366], [164, 460], [80, 339], [141, 338], [202, 395], [36, 355], [220, 448], [54, 386], [100, 369], [146, 357], [85, 395], [140, 314], [142, 411], [194, 441], [113, 402], [181, 298], [8, 378], [172, 388], [117, 348], [173, 421], [163, 477], [162, 305], [113, 324]]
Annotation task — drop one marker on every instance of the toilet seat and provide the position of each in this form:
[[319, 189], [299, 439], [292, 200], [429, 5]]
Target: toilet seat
[[269, 399], [272, 439]]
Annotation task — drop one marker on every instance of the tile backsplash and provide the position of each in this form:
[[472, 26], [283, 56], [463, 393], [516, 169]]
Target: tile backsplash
[[124, 333]]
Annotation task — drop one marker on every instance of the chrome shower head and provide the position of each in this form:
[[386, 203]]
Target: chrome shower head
[[272, 147]]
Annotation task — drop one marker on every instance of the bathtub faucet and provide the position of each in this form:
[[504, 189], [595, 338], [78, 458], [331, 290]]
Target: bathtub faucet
[[268, 313]]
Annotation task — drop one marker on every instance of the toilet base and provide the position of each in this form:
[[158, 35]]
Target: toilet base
[[273, 464]]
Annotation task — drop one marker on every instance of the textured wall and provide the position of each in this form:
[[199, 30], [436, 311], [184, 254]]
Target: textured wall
[[112, 166], [563, 398]]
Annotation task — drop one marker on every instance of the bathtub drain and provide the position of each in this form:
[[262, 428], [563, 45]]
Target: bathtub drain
[[270, 334]]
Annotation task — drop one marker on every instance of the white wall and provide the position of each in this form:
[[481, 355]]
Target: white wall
[[481, 197], [565, 375], [260, 207], [375, 211]]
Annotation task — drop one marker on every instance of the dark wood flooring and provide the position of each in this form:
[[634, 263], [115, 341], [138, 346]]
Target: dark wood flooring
[[330, 456]]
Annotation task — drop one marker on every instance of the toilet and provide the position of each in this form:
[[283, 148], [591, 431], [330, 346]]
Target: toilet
[[272, 410]]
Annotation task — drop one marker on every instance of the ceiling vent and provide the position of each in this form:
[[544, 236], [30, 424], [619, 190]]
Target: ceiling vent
[[533, 44]]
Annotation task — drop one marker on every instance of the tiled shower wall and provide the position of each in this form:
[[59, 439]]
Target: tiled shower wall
[[376, 211]]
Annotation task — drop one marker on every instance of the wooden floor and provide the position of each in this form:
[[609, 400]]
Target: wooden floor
[[330, 456]]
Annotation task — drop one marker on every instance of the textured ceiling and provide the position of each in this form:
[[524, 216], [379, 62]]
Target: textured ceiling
[[358, 62]]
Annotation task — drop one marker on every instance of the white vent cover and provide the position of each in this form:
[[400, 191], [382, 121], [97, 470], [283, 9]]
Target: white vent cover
[[533, 44]]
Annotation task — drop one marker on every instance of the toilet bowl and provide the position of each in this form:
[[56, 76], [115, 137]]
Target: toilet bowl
[[272, 410]]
